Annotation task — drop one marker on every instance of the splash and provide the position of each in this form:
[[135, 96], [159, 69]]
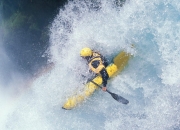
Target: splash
[[150, 81]]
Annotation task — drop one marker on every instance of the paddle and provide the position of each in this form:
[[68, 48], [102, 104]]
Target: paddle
[[115, 96]]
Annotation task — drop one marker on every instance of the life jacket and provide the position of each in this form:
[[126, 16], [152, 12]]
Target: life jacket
[[96, 58]]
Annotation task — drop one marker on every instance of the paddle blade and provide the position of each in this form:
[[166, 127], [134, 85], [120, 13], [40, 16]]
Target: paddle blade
[[119, 98]]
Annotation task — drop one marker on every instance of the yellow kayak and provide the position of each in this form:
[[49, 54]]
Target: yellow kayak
[[119, 62]]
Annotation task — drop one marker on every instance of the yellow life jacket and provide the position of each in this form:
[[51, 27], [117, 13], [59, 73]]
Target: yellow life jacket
[[96, 57]]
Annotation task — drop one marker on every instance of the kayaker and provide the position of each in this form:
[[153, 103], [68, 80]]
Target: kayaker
[[97, 64]]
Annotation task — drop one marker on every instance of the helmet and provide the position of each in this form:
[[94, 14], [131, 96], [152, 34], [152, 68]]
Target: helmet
[[86, 52]]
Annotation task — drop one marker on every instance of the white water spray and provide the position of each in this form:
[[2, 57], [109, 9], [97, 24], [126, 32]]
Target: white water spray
[[150, 81]]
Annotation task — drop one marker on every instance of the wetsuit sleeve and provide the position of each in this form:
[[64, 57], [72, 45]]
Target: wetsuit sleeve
[[105, 76], [104, 60]]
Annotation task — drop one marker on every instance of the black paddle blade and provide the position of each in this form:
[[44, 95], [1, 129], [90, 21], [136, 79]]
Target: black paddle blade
[[119, 98], [115, 96]]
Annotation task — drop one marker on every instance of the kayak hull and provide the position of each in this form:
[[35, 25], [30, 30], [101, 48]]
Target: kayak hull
[[119, 63]]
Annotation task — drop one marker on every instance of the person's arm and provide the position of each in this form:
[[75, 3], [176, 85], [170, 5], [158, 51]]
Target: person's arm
[[103, 73], [105, 61], [105, 77]]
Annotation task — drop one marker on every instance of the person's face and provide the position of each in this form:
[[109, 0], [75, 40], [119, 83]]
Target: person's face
[[83, 57]]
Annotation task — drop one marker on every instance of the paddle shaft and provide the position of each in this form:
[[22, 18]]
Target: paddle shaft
[[115, 96], [100, 86]]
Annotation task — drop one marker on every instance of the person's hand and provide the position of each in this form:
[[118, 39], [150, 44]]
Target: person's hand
[[104, 89]]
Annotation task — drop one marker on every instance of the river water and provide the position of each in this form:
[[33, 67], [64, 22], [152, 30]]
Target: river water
[[150, 81]]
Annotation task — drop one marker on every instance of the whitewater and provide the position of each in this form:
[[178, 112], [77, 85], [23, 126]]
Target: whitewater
[[150, 81]]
